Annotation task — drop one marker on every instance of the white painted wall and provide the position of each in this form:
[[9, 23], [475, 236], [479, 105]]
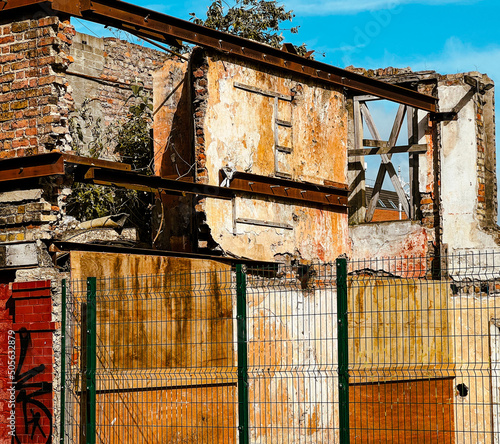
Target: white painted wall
[[459, 185]]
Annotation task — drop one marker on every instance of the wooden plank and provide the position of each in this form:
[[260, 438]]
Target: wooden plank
[[263, 223], [386, 162], [358, 126], [284, 123], [413, 161], [384, 149], [284, 149], [398, 123], [366, 98], [356, 171]]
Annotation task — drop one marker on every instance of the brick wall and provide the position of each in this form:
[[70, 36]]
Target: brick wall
[[101, 77], [6, 325], [34, 97], [26, 308]]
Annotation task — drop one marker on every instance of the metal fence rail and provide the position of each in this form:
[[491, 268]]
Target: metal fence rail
[[383, 350]]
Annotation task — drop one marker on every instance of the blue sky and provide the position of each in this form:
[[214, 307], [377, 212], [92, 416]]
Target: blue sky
[[448, 36]]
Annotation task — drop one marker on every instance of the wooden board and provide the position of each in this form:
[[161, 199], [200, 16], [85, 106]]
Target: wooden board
[[402, 412]]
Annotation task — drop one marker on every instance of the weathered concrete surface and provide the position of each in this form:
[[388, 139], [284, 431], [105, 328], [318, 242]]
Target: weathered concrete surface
[[472, 314], [389, 240]]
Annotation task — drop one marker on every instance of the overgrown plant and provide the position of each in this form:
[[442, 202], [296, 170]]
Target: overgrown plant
[[258, 20], [128, 141]]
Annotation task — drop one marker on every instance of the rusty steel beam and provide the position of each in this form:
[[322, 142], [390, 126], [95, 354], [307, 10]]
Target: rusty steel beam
[[21, 168], [109, 173], [66, 246], [52, 164], [243, 183], [164, 28], [288, 189]]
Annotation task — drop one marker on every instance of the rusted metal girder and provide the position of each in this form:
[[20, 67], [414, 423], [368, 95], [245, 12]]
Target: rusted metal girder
[[298, 192], [288, 189], [51, 164], [65, 246], [164, 28], [104, 172]]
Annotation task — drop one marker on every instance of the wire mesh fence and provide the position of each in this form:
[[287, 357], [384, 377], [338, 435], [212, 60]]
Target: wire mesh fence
[[387, 350], [424, 349], [220, 356]]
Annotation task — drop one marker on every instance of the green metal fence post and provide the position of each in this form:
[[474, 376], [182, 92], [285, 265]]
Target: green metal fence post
[[90, 370], [241, 322], [343, 349], [63, 361]]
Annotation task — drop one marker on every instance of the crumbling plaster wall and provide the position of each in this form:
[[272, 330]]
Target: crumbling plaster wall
[[457, 175], [235, 106]]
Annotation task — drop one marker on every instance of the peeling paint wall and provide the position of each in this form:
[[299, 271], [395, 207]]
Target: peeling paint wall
[[240, 132], [242, 112]]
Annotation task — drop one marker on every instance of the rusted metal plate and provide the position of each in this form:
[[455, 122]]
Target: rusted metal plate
[[402, 412], [423, 348], [166, 368], [190, 415], [155, 25]]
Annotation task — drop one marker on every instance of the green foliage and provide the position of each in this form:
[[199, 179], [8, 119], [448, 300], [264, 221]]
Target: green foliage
[[132, 144], [133, 136], [257, 20]]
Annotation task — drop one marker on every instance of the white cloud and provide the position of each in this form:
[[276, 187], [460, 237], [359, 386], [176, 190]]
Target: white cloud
[[456, 56], [331, 7]]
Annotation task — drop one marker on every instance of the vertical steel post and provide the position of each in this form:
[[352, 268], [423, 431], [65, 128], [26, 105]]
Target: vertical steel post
[[63, 361], [343, 349], [241, 322], [90, 370]]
